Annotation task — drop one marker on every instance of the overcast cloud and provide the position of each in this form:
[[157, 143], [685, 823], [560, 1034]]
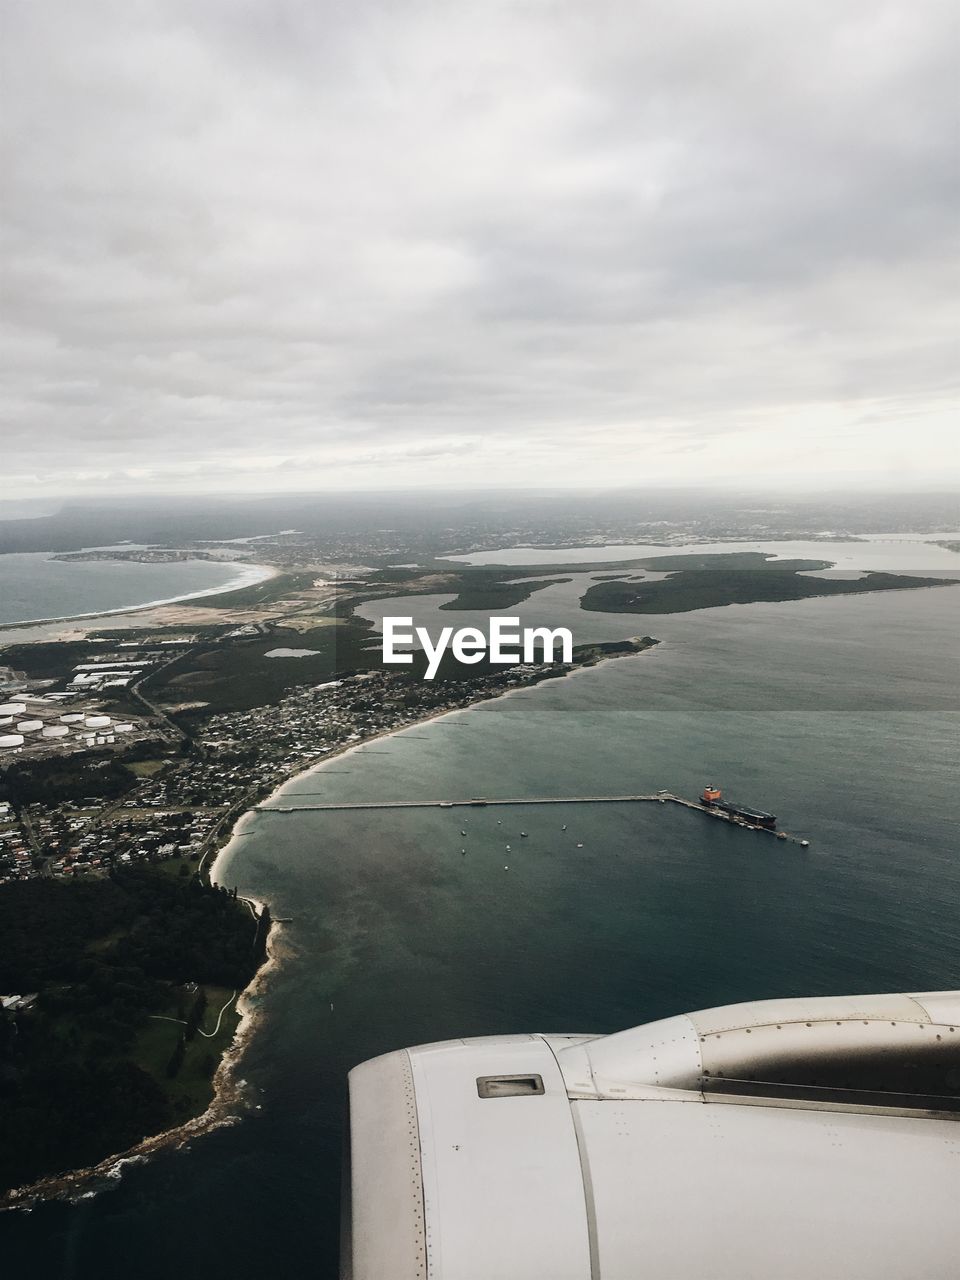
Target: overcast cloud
[[283, 244]]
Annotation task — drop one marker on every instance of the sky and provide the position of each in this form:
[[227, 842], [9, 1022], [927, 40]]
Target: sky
[[271, 244]]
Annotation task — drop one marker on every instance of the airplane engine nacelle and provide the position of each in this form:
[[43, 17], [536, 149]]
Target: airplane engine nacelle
[[779, 1137]]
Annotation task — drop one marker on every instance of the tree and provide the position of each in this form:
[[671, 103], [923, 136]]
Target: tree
[[176, 1059], [195, 1016]]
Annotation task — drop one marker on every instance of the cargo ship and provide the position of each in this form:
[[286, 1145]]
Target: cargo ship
[[712, 798]]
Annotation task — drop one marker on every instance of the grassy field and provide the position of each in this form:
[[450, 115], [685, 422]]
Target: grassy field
[[146, 768], [191, 1089]]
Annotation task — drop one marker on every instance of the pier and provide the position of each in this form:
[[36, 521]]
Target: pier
[[484, 802]]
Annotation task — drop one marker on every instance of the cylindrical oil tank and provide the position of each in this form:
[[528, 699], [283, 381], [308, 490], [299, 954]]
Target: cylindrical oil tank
[[10, 740], [29, 726], [96, 722], [123, 728], [71, 717], [55, 731], [12, 708]]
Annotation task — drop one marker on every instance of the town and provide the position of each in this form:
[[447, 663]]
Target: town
[[180, 803]]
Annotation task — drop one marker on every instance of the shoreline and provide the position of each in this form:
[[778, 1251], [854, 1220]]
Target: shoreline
[[318, 765], [232, 1099], [253, 574]]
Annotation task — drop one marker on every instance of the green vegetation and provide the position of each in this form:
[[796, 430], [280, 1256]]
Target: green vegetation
[[146, 768], [259, 593], [722, 560], [587, 655], [51, 780], [708, 588], [235, 675], [53, 660], [89, 1069], [486, 590]]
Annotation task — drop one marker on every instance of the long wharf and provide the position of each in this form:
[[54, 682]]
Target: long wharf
[[483, 802]]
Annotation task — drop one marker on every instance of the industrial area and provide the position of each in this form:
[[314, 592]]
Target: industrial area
[[35, 727]]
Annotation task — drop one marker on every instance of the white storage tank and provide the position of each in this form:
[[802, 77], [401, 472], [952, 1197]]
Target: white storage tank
[[55, 731], [123, 728], [29, 726], [97, 722], [12, 708], [71, 717], [6, 719], [10, 740]]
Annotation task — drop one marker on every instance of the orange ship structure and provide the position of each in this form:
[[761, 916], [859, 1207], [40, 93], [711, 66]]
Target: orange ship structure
[[712, 798]]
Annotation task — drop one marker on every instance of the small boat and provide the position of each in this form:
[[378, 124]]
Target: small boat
[[804, 844], [564, 827], [523, 835], [579, 846], [463, 833], [508, 848], [463, 851]]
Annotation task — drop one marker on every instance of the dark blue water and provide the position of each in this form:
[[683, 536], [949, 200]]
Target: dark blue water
[[840, 716]]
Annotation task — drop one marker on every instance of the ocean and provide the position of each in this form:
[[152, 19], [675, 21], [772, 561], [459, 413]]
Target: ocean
[[34, 586], [840, 715]]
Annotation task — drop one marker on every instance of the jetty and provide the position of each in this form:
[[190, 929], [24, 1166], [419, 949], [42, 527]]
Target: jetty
[[484, 802]]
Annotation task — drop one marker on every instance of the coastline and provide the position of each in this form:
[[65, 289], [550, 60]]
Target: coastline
[[251, 575], [232, 1098], [318, 765]]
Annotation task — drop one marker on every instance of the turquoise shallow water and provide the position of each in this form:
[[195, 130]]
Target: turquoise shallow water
[[840, 716]]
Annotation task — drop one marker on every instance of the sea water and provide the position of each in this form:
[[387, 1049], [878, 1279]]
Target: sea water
[[840, 715], [35, 585]]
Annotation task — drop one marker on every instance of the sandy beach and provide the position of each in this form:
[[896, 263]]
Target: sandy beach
[[173, 611]]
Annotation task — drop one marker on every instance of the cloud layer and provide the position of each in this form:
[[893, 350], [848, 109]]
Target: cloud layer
[[269, 246]]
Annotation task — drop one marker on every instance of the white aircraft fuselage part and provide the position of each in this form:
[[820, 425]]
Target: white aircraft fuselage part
[[778, 1138]]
